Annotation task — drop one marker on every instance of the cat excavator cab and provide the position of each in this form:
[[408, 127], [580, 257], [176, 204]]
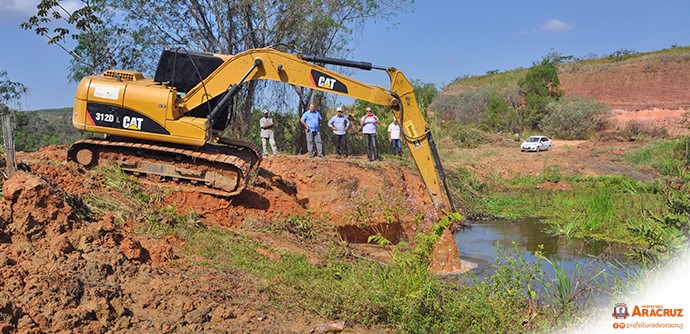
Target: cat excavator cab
[[168, 127]]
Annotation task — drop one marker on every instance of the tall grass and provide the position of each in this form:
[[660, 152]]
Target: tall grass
[[670, 157], [599, 209], [596, 207], [402, 295]]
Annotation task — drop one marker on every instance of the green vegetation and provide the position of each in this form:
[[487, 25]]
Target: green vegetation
[[10, 91], [524, 100], [539, 87], [651, 218], [623, 56], [670, 157], [660, 236], [589, 62], [34, 129], [574, 118], [47, 127], [596, 207], [402, 295]]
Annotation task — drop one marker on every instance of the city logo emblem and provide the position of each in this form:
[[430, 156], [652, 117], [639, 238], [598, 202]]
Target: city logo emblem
[[620, 311]]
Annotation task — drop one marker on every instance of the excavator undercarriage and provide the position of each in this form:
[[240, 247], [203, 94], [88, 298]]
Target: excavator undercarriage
[[221, 168]]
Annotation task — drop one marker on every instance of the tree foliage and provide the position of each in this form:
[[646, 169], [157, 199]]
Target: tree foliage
[[540, 87], [93, 35], [35, 129], [574, 118], [319, 27], [499, 117], [425, 92], [10, 91]]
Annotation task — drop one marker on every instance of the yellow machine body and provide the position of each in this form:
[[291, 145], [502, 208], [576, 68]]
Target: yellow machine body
[[125, 104]]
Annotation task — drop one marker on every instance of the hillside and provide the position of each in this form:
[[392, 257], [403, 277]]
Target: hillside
[[655, 80], [653, 88]]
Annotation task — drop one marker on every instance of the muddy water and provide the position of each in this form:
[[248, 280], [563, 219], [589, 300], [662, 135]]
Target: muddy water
[[478, 244]]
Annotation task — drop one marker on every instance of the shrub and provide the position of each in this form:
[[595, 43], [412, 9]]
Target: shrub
[[467, 108], [40, 128], [574, 118], [635, 130], [499, 117], [461, 135], [539, 87], [670, 158]]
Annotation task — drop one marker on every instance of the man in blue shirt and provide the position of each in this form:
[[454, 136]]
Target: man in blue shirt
[[339, 123], [311, 120]]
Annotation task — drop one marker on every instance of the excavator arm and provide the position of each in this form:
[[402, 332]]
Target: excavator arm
[[301, 70]]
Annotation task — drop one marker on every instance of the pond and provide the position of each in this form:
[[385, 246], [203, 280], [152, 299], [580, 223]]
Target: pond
[[477, 244]]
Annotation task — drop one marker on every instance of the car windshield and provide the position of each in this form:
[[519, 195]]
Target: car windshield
[[532, 139]]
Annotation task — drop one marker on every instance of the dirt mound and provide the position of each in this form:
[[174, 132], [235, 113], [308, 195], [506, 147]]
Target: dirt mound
[[60, 272], [675, 122]]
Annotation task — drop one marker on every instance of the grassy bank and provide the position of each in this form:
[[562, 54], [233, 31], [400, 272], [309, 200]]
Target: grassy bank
[[652, 218], [402, 295]]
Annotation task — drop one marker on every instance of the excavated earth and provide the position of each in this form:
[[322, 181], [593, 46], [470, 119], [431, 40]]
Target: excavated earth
[[61, 273]]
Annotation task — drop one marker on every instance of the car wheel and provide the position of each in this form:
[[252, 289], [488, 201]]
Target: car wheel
[[548, 148]]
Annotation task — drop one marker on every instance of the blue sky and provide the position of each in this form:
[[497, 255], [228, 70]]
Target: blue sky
[[435, 41]]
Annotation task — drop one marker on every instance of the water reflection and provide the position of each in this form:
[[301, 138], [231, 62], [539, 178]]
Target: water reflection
[[477, 244]]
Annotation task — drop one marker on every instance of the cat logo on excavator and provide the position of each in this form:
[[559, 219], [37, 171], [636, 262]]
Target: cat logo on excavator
[[132, 123]]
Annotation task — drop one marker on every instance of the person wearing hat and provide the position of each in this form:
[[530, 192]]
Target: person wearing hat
[[339, 124], [266, 124], [394, 137], [369, 123]]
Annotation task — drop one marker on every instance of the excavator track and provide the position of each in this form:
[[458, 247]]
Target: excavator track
[[221, 168]]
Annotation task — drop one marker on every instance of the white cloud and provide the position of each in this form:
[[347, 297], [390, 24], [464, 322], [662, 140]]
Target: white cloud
[[554, 25], [21, 10], [18, 9]]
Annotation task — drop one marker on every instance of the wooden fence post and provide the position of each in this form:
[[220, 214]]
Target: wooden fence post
[[8, 138]]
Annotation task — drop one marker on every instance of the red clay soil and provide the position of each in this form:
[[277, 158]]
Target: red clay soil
[[635, 84], [60, 273], [641, 92]]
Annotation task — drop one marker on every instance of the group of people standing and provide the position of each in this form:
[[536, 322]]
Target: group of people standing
[[339, 124]]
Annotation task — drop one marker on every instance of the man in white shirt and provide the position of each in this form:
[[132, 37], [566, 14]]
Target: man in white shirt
[[266, 124], [394, 137]]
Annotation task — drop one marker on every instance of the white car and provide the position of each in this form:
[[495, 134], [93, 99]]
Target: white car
[[536, 144]]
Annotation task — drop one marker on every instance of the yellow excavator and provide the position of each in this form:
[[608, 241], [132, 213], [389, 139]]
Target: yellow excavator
[[168, 127]]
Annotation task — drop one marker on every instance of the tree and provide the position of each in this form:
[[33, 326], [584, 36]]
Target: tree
[[10, 91], [499, 116], [93, 35], [540, 87], [425, 93], [319, 27]]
